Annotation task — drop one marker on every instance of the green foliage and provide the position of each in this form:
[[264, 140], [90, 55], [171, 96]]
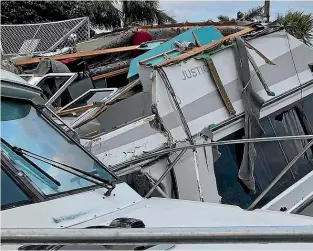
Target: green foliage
[[222, 18], [257, 12], [106, 14], [144, 12], [296, 23], [299, 25], [251, 14]]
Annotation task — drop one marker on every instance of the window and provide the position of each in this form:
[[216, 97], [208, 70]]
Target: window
[[23, 126], [10, 192], [91, 96], [272, 157], [50, 86]]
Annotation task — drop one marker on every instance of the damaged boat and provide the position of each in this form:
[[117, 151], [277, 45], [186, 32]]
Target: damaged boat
[[259, 84], [55, 195], [255, 83]]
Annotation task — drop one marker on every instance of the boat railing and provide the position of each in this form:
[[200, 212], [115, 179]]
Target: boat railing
[[140, 236], [131, 164]]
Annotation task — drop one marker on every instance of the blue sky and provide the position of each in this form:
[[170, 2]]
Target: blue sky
[[197, 11]]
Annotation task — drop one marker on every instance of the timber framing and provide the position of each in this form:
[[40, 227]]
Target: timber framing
[[198, 50], [36, 60]]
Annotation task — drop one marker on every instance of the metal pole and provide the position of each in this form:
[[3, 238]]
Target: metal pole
[[280, 175], [157, 153], [164, 195], [184, 125], [165, 173], [281, 148], [134, 236]]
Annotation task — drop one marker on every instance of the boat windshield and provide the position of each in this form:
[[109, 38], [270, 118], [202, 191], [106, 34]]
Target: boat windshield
[[23, 126]]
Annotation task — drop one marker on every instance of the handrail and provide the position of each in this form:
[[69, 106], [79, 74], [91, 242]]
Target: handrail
[[157, 153], [132, 236]]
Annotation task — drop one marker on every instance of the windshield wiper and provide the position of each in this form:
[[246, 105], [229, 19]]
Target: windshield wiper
[[34, 165], [72, 170]]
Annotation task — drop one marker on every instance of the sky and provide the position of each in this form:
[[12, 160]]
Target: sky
[[198, 11]]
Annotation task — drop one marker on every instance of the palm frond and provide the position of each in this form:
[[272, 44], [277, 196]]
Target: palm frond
[[253, 13], [102, 13], [144, 12], [299, 25], [222, 18], [163, 18]]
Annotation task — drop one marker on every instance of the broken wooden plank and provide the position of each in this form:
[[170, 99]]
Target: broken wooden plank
[[111, 74], [91, 134], [220, 87], [77, 55], [196, 39], [198, 50], [75, 110], [181, 25], [217, 80], [155, 56]]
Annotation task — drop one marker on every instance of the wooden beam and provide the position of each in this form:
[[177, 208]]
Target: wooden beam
[[28, 61], [155, 56], [184, 25], [196, 40], [198, 50], [111, 74], [75, 110], [91, 134]]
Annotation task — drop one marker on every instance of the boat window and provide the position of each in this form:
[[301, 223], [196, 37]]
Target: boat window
[[130, 106], [23, 126], [50, 86], [10, 192], [91, 96], [292, 120]]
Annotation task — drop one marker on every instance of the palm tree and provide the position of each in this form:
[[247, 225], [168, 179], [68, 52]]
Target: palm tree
[[298, 24], [144, 12], [254, 13], [107, 14]]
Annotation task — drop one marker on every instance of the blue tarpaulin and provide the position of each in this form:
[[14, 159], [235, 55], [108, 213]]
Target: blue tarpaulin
[[205, 35]]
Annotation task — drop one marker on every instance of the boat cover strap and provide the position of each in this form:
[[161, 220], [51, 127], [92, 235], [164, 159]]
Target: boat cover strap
[[252, 103]]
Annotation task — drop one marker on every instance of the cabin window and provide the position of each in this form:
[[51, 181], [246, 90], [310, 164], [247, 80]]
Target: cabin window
[[272, 157], [50, 86], [127, 108], [91, 96], [23, 126], [11, 194]]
